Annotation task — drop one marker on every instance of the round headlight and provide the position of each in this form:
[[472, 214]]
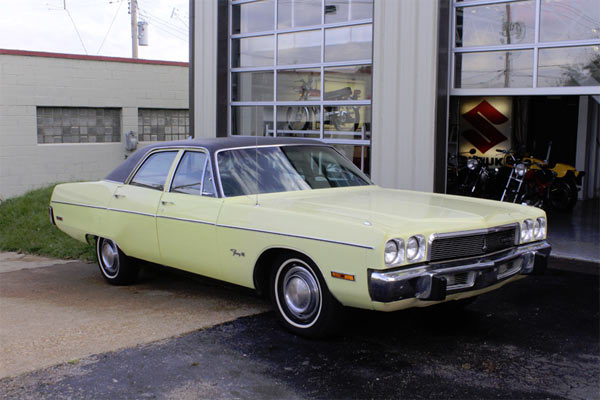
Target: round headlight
[[472, 163], [527, 230], [391, 252], [415, 248], [539, 229], [521, 169]]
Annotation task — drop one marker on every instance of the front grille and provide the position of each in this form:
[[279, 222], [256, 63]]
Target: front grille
[[448, 247]]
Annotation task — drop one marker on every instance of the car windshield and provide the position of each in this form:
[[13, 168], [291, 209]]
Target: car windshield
[[285, 169]]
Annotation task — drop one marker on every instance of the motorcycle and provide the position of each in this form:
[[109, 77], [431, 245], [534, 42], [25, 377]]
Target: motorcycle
[[536, 182], [474, 178], [343, 118]]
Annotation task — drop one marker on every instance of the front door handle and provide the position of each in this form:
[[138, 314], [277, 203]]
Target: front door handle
[[165, 203], [118, 196]]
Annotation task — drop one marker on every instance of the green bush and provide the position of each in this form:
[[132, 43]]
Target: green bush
[[25, 227]]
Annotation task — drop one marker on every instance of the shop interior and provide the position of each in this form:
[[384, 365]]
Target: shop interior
[[541, 151]]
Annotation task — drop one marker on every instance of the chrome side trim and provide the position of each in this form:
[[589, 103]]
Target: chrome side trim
[[362, 246], [131, 212], [196, 221], [78, 204]]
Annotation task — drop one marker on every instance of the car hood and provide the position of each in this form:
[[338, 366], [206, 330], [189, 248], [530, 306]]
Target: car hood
[[399, 210]]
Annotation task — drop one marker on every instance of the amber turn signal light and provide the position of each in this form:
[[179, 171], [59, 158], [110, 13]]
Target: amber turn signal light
[[342, 276]]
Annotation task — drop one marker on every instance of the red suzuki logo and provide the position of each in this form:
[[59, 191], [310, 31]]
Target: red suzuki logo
[[485, 135]]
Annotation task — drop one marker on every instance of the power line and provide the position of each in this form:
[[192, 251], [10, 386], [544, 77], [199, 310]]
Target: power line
[[110, 27], [76, 30]]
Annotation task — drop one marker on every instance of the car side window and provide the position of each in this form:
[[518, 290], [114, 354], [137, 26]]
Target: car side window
[[189, 174], [208, 186], [154, 171]]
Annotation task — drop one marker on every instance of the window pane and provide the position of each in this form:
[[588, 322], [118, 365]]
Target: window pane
[[252, 52], [569, 66], [342, 83], [495, 69], [253, 17], [252, 121], [359, 155], [347, 10], [208, 187], [188, 177], [153, 173], [252, 86], [495, 24], [569, 20], [347, 122], [348, 43], [297, 13], [299, 48], [299, 84], [285, 169], [299, 121]]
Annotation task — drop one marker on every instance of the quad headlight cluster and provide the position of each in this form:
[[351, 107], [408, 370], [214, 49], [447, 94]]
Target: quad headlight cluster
[[397, 250], [533, 230]]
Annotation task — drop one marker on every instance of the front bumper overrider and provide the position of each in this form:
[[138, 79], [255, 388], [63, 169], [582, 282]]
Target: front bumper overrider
[[434, 281]]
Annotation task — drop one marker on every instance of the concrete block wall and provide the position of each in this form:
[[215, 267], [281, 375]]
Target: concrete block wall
[[32, 79]]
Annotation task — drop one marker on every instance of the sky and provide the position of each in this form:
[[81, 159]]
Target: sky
[[84, 27]]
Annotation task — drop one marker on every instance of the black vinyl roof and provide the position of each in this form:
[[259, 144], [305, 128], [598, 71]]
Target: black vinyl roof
[[213, 145]]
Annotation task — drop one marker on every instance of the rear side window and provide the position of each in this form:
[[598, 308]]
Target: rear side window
[[153, 172], [189, 174]]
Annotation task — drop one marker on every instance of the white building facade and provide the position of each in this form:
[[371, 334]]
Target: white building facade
[[66, 117], [402, 87]]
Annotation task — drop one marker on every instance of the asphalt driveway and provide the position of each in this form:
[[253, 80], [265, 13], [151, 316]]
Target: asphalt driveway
[[535, 338]]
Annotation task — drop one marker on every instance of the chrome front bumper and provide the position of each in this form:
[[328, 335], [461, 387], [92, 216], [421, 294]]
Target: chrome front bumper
[[434, 281]]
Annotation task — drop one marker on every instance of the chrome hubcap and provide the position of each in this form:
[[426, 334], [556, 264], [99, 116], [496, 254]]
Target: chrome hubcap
[[301, 293], [110, 257]]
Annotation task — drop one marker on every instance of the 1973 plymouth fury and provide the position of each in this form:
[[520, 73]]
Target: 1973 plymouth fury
[[294, 219]]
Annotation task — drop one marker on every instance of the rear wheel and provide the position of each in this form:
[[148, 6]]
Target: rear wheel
[[301, 299], [116, 267]]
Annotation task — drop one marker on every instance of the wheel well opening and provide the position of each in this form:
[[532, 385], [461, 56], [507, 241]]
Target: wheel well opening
[[91, 239], [264, 265]]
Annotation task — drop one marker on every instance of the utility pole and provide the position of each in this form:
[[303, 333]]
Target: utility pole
[[134, 28]]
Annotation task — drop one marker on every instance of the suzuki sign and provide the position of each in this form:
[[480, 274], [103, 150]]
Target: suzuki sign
[[485, 125]]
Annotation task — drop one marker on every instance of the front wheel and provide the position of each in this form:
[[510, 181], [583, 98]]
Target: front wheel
[[116, 267], [301, 299]]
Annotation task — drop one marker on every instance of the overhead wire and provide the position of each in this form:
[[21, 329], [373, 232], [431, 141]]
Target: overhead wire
[[76, 30], [110, 27]]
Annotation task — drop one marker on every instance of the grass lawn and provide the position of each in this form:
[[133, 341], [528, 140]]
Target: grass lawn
[[25, 227]]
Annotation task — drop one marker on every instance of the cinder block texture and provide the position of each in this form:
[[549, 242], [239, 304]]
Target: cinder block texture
[[64, 119]]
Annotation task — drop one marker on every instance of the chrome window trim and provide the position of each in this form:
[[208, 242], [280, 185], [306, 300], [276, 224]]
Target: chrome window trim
[[280, 145], [196, 150], [155, 150]]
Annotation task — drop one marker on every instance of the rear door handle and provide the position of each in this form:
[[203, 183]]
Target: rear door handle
[[118, 196], [165, 203]]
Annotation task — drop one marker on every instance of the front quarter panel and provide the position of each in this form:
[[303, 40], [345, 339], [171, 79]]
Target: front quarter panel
[[245, 231]]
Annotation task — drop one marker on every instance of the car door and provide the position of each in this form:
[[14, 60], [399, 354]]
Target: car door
[[187, 216], [132, 209]]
